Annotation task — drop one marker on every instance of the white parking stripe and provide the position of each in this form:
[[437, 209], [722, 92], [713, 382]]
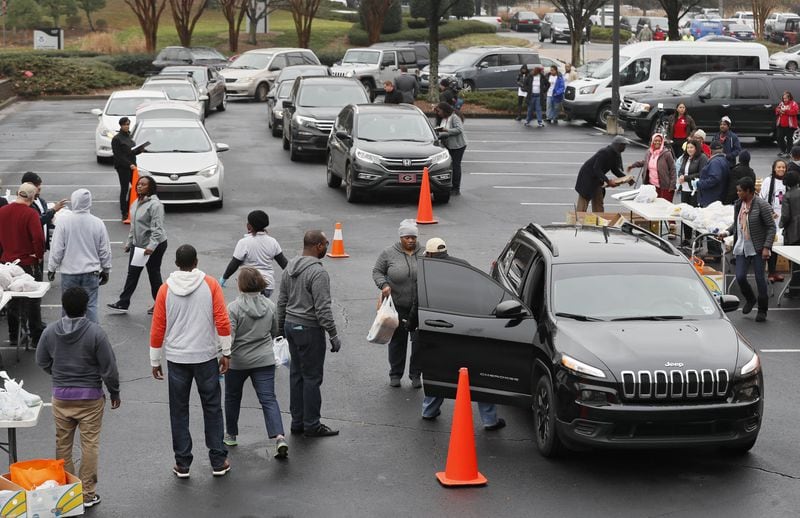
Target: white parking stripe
[[558, 204], [541, 188], [532, 151], [779, 350], [524, 174], [537, 162]]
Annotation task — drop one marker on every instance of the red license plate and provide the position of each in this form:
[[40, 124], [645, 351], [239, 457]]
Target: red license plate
[[407, 178]]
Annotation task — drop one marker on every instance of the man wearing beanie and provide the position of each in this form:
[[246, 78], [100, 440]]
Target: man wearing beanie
[[742, 170], [395, 274], [592, 178], [256, 249]]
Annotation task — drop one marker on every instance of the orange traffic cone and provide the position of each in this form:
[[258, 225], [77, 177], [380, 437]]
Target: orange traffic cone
[[425, 210], [462, 461], [337, 250], [133, 195]]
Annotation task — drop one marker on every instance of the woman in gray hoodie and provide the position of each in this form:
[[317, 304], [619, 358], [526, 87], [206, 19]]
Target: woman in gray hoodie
[[253, 324]]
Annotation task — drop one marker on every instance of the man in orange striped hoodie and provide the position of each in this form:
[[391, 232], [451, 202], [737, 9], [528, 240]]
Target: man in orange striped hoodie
[[190, 321]]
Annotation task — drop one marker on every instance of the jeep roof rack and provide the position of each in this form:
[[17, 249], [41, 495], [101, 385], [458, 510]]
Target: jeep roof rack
[[646, 235], [542, 236]]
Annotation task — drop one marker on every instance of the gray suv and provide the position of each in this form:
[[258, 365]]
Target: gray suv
[[484, 68]]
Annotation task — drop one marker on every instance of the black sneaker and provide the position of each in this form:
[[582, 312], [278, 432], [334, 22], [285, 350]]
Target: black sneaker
[[296, 431], [222, 470], [501, 423], [117, 307], [321, 431], [180, 471], [93, 501]]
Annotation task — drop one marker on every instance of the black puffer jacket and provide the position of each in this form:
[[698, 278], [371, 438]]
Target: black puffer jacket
[[122, 146]]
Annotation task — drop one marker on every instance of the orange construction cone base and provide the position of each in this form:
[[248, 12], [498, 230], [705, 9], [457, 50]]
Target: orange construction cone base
[[337, 247], [480, 480]]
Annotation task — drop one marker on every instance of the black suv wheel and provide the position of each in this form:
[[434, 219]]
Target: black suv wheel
[[544, 418]]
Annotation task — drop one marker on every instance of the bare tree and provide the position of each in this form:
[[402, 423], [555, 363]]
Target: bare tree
[[433, 11], [577, 13], [148, 12], [256, 10], [374, 12], [185, 13], [677, 9], [233, 11], [761, 11], [303, 13]]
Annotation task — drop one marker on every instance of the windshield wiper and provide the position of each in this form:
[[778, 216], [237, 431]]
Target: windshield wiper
[[408, 140], [367, 139], [649, 317], [582, 318], [243, 67]]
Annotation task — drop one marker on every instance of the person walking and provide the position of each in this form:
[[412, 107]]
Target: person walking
[[122, 148], [679, 126], [645, 34], [190, 324], [407, 85], [786, 123], [451, 132], [592, 179], [773, 191], [537, 91], [555, 94], [22, 239], [753, 231], [81, 250], [395, 274], [522, 95], [713, 181], [790, 222], [391, 95], [253, 325], [742, 170], [77, 354], [729, 141], [304, 315], [147, 232], [431, 406], [658, 168], [257, 249]]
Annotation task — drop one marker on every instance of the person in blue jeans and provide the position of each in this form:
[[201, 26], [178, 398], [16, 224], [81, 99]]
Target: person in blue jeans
[[304, 314], [536, 85], [82, 251], [253, 324], [555, 94]]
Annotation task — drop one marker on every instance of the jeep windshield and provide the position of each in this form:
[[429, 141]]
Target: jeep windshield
[[332, 96], [604, 70], [689, 86], [461, 59], [401, 127], [631, 291], [252, 61], [366, 57]]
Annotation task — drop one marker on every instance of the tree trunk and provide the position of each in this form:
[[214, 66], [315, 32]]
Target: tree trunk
[[89, 19], [672, 23], [433, 40], [576, 40]]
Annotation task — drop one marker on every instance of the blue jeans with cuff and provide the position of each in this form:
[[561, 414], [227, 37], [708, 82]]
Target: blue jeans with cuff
[[534, 102], [263, 380]]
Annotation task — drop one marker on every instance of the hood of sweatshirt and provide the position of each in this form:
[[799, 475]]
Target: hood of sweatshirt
[[71, 330], [254, 305], [300, 264], [81, 201], [185, 283]]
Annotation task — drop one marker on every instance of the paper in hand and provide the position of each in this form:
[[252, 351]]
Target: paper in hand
[[139, 259], [138, 149]]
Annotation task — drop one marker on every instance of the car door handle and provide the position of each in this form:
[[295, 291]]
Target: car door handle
[[438, 323], [725, 105], [767, 106]]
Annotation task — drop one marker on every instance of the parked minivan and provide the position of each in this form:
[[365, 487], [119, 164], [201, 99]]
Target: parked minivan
[[484, 68], [650, 64], [253, 72]]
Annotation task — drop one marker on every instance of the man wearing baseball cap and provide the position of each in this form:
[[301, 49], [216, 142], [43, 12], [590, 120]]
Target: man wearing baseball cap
[[729, 140]]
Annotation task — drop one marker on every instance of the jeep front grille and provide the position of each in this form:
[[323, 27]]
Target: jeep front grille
[[625, 105], [675, 384]]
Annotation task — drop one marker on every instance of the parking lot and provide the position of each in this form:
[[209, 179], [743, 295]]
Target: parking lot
[[384, 461]]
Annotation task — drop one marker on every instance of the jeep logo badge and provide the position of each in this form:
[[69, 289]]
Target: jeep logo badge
[[673, 364], [406, 162]]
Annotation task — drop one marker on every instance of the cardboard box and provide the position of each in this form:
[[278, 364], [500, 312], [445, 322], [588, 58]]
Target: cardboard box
[[62, 501], [783, 265], [598, 219], [13, 505]]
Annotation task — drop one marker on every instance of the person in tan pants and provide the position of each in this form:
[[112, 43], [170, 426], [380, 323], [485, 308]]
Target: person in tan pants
[[77, 354]]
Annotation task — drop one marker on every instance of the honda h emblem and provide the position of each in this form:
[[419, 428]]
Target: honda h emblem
[[406, 162]]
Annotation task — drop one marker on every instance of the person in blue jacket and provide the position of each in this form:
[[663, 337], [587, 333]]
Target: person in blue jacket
[[729, 140], [555, 94], [713, 182]]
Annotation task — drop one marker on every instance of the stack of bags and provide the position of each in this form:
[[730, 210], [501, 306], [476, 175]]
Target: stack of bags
[[14, 278]]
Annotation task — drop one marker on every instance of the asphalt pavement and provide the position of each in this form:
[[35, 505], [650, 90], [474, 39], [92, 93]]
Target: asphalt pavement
[[384, 460]]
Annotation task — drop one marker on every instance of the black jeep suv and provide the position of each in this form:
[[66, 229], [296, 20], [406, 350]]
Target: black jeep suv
[[610, 334]]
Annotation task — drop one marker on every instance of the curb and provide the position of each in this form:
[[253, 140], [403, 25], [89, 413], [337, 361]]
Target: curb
[[8, 102]]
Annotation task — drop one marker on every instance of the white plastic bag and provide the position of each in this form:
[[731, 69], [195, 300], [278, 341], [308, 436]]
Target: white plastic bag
[[386, 321], [280, 346], [647, 194], [16, 390]]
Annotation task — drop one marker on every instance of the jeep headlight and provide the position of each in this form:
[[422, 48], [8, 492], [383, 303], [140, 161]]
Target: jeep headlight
[[752, 366], [308, 122], [579, 367], [208, 172], [438, 158], [587, 90], [350, 73], [368, 157]]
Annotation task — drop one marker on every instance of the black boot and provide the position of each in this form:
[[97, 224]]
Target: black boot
[[749, 297], [763, 303]]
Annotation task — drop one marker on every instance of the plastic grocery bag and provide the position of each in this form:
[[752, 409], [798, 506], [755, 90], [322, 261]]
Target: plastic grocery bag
[[31, 474], [15, 389], [280, 346], [386, 321], [13, 408], [647, 194]]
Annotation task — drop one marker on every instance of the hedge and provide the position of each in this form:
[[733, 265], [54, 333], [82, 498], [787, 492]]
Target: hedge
[[604, 34], [503, 100], [452, 29], [136, 64]]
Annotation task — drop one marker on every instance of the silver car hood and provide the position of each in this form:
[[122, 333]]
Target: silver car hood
[[176, 162]]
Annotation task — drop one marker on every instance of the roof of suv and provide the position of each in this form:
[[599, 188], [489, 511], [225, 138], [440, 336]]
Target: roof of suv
[[386, 108], [275, 50], [327, 80], [589, 244]]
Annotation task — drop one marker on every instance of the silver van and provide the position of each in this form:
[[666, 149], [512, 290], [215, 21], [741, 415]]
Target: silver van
[[484, 68]]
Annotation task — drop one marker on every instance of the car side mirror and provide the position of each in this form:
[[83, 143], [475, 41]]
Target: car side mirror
[[343, 135], [221, 148], [97, 111], [288, 105], [203, 97], [705, 96], [274, 68], [483, 64], [729, 303], [511, 309]]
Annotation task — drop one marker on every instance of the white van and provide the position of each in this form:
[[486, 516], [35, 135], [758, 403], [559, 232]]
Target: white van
[[657, 65]]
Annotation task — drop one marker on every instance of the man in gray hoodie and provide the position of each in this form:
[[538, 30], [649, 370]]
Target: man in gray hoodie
[[77, 354], [82, 250], [304, 314]]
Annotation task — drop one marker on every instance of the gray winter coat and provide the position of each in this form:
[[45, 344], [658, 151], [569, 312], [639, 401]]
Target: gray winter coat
[[253, 324], [147, 223], [760, 221], [790, 217], [399, 270], [305, 295]]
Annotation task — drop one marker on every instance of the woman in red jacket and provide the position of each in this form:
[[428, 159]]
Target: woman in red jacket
[[680, 125], [786, 113]]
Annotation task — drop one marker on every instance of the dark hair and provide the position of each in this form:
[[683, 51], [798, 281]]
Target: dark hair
[[152, 186], [445, 108], [185, 256], [75, 301], [744, 157], [403, 68], [31, 177], [787, 92], [697, 147], [444, 82], [313, 238], [679, 105], [746, 184], [124, 120], [250, 280], [771, 193], [258, 219], [791, 180], [795, 152]]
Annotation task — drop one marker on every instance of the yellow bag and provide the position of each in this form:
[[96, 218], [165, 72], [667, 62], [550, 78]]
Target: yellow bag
[[31, 474]]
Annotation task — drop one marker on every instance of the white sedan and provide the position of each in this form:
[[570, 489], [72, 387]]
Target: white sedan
[[182, 159], [120, 104]]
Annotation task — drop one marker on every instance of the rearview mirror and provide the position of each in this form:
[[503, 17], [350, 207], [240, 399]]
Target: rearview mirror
[[97, 111], [274, 68], [705, 96], [221, 148], [203, 97], [729, 303], [512, 309], [288, 105]]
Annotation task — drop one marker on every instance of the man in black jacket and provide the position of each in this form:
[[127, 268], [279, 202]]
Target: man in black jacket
[[392, 96], [124, 162], [592, 178]]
